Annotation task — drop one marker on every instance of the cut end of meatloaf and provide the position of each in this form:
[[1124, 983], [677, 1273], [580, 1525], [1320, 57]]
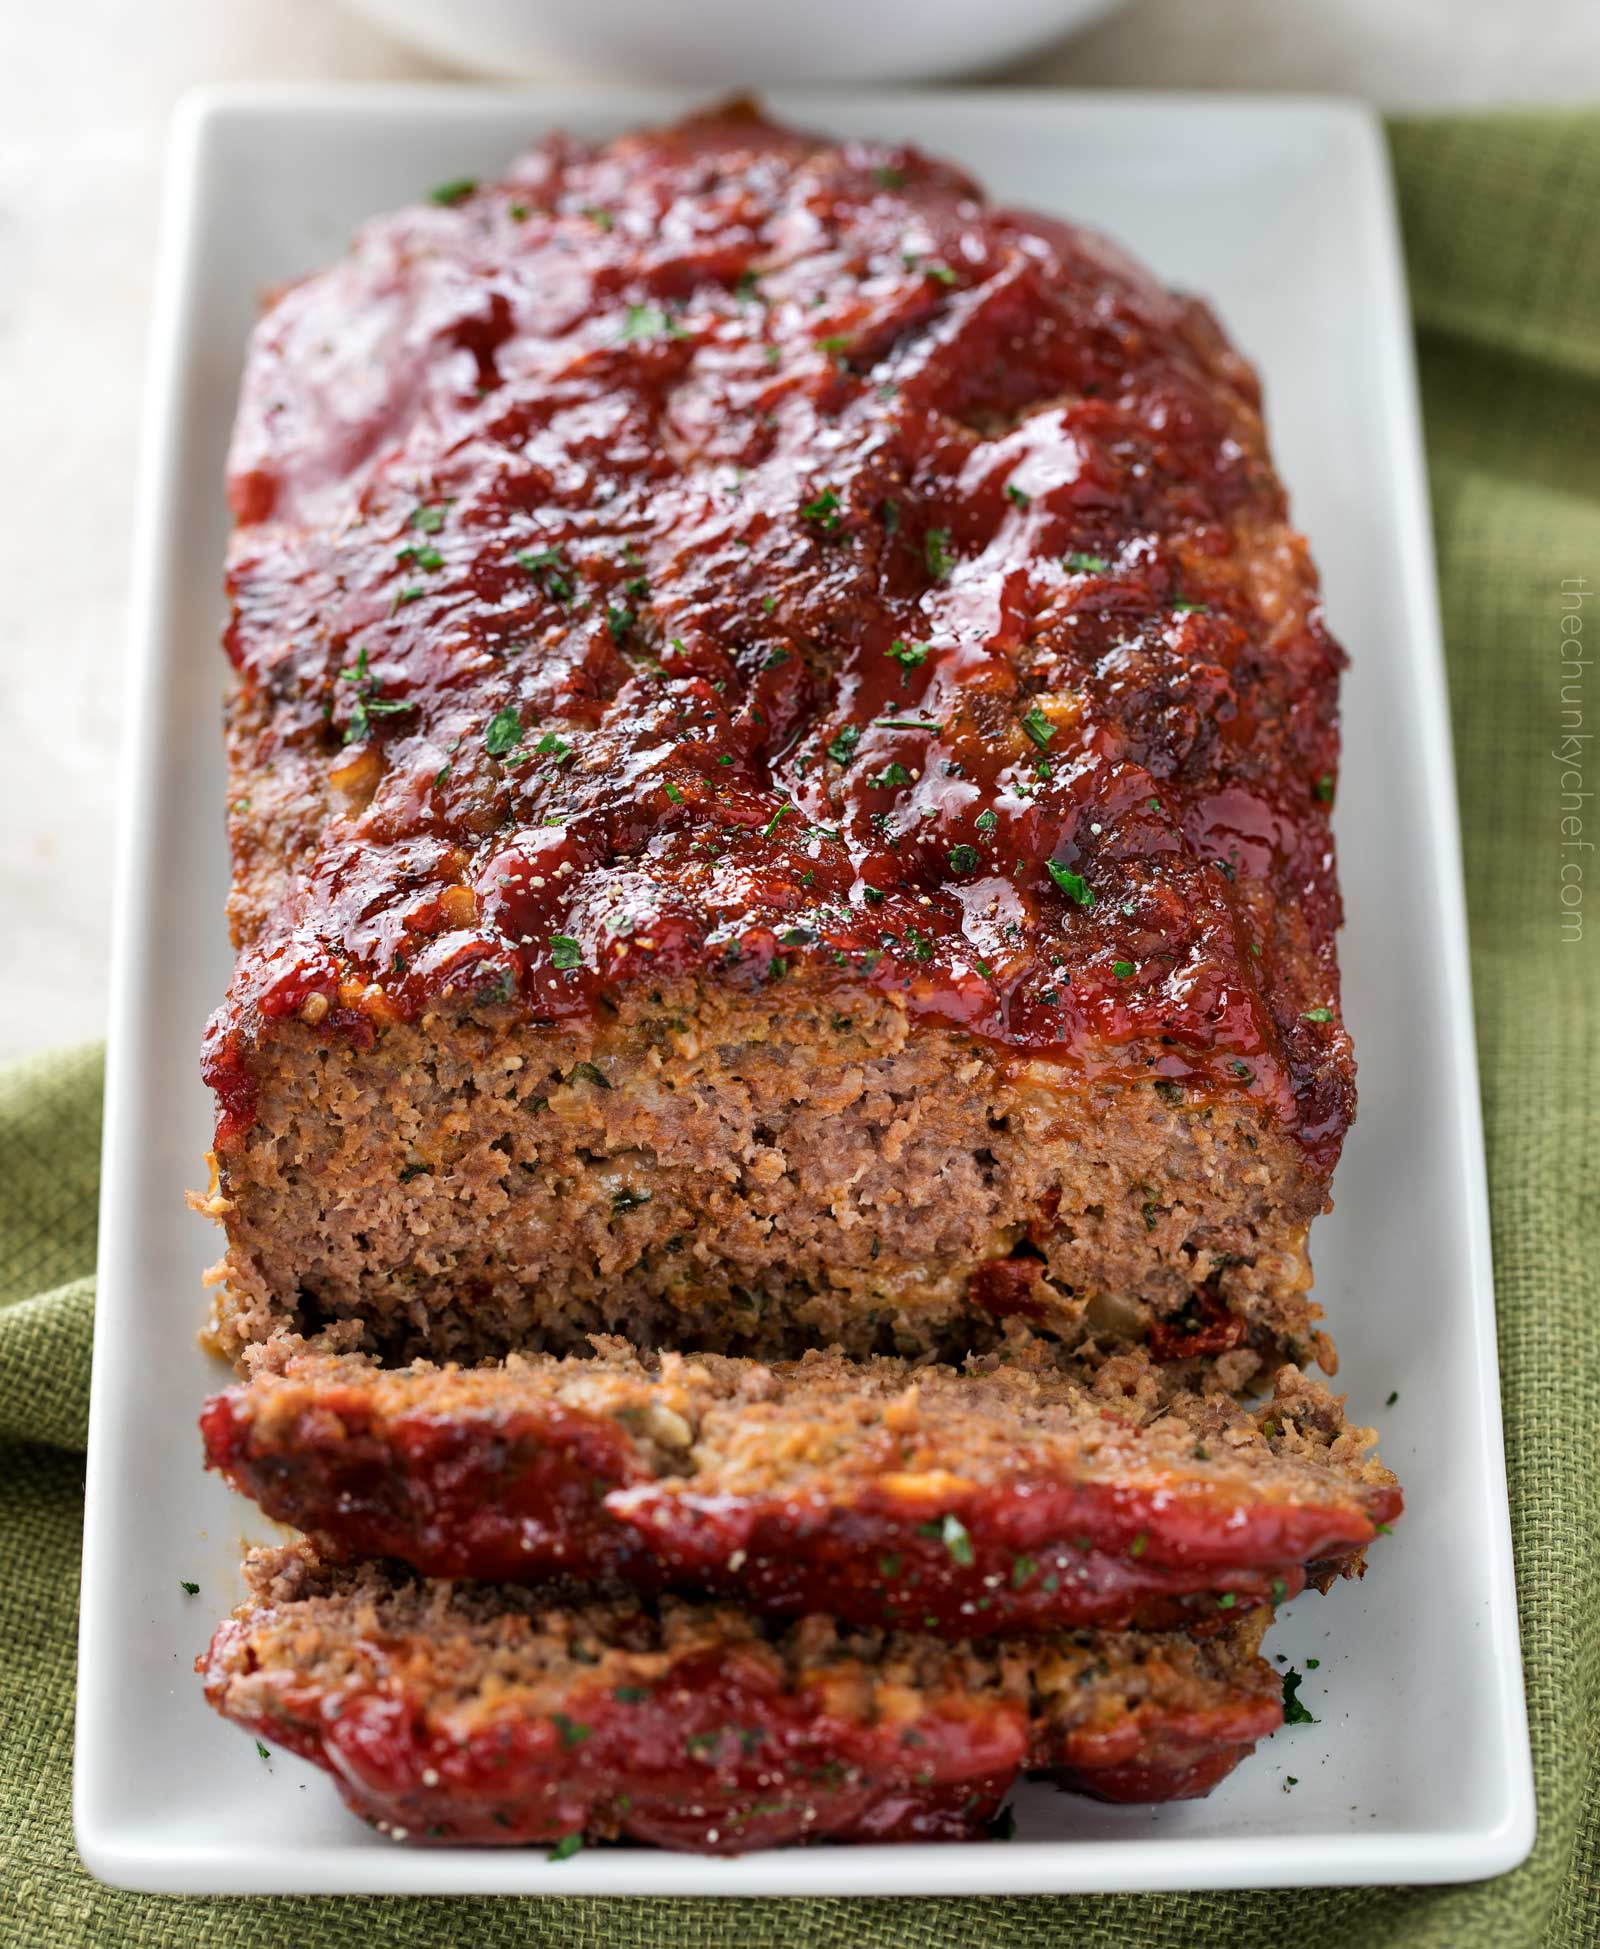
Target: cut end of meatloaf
[[1017, 1494], [470, 1712], [779, 781], [703, 1172]]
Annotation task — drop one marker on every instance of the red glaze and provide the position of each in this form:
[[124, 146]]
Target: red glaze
[[1032, 1554], [701, 427], [717, 1756], [525, 1496], [518, 1500], [1159, 1755]]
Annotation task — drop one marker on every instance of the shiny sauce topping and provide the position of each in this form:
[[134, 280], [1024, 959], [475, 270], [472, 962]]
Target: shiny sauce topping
[[725, 554]]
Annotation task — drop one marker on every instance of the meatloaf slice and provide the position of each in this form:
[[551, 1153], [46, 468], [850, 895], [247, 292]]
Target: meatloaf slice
[[1013, 1496], [779, 780], [477, 1712]]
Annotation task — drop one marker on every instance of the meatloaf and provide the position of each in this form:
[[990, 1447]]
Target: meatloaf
[[1014, 1497], [780, 779], [470, 1712]]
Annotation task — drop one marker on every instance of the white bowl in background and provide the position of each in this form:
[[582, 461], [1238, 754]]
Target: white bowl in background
[[733, 43]]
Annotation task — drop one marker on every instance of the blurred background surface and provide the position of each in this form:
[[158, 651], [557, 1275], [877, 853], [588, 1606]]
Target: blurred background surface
[[85, 92]]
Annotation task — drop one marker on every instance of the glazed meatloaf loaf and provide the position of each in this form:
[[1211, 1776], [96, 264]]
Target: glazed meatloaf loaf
[[780, 781], [470, 1712], [1015, 1497]]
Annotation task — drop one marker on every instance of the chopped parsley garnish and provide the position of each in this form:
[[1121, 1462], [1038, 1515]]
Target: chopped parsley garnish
[[188, 1589], [552, 745], [936, 553], [887, 176], [262, 1750], [892, 774], [1280, 1590], [1022, 1569], [907, 724], [619, 622], [834, 346], [565, 952], [931, 267], [824, 510], [565, 1848], [429, 516], [768, 604], [572, 1733], [1392, 1399], [457, 190], [796, 937], [1313, 1664], [1137, 1546], [504, 734], [1123, 970], [1227, 1600], [987, 821], [1088, 564], [1294, 1713], [963, 858], [1038, 727], [631, 1694], [772, 824], [1324, 788], [601, 219], [952, 1533], [651, 321], [889, 515], [1016, 497], [547, 564], [1317, 1015], [1185, 607], [672, 792], [842, 748], [1073, 885], [909, 656], [421, 554], [370, 701]]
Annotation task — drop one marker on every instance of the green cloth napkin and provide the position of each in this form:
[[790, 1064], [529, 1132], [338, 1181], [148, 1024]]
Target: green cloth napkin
[[1502, 221]]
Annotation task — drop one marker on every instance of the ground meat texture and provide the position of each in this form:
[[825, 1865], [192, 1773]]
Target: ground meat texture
[[1017, 1495], [740, 1177], [779, 780], [471, 1712]]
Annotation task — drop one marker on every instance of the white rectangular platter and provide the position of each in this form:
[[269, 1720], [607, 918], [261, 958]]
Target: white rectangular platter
[[1281, 213]]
